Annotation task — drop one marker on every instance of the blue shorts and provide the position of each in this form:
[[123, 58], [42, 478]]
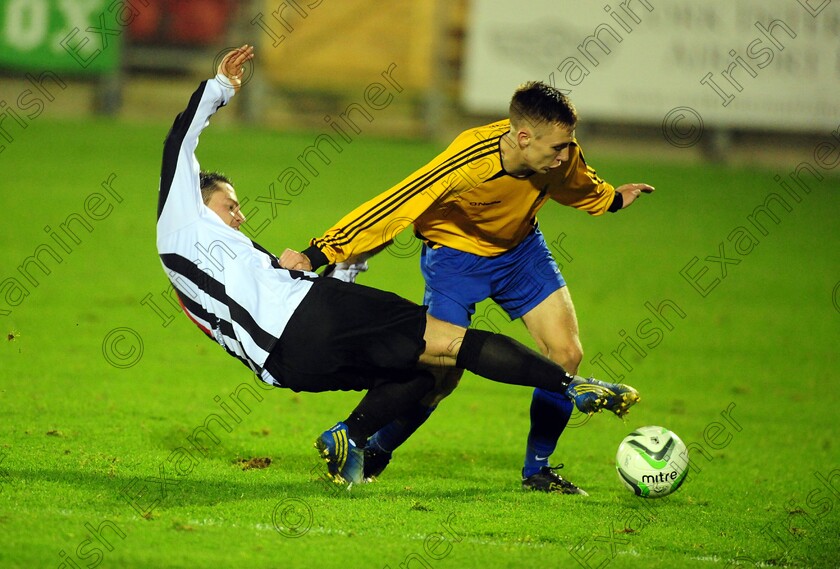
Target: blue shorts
[[517, 280]]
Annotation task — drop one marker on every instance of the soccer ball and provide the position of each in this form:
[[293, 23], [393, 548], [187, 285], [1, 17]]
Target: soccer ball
[[652, 462]]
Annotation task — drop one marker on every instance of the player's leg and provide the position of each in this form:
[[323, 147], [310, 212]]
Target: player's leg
[[554, 327], [529, 285], [394, 393], [350, 337], [380, 447], [455, 281], [441, 269], [340, 326], [391, 394], [502, 359]]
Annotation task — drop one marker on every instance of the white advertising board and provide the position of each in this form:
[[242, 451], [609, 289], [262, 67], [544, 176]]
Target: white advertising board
[[761, 64]]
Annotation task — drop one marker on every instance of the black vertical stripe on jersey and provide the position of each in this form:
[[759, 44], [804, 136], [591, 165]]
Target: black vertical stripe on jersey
[[415, 187], [216, 289], [226, 327]]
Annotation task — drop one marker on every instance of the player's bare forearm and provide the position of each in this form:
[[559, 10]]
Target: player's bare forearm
[[629, 192]]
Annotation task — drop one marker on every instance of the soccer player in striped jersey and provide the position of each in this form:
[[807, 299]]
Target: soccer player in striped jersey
[[296, 330], [475, 208]]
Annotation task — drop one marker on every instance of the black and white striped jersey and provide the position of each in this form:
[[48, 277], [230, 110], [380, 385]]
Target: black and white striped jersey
[[231, 288]]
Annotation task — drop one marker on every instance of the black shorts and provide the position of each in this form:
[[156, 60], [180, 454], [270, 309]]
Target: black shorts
[[347, 336]]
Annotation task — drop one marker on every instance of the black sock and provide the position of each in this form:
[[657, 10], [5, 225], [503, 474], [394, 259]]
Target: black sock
[[385, 403], [505, 360]]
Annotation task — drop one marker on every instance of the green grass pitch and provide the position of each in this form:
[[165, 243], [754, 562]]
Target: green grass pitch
[[725, 318]]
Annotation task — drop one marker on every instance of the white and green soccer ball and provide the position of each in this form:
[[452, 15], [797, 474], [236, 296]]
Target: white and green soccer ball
[[652, 462]]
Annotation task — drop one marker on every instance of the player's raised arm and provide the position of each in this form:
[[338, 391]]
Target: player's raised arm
[[179, 198]]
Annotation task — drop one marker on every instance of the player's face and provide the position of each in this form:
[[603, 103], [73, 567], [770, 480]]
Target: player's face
[[224, 203], [548, 147]]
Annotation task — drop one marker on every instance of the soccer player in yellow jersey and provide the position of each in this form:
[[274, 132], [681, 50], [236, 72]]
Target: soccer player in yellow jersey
[[474, 206]]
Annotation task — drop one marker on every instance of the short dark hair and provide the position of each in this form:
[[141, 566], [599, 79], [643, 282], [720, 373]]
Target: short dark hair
[[208, 182], [536, 103]]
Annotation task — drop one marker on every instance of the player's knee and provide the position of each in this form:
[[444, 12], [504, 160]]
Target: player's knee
[[445, 383], [569, 356], [449, 382]]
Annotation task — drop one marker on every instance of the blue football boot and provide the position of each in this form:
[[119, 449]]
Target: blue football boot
[[345, 461]]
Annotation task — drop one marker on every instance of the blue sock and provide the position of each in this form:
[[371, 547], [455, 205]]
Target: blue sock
[[395, 433], [550, 414]]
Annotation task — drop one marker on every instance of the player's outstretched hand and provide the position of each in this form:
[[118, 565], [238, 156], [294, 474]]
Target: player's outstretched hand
[[232, 66], [629, 192]]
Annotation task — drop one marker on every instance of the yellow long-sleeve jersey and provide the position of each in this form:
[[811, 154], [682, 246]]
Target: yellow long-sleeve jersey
[[465, 200]]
